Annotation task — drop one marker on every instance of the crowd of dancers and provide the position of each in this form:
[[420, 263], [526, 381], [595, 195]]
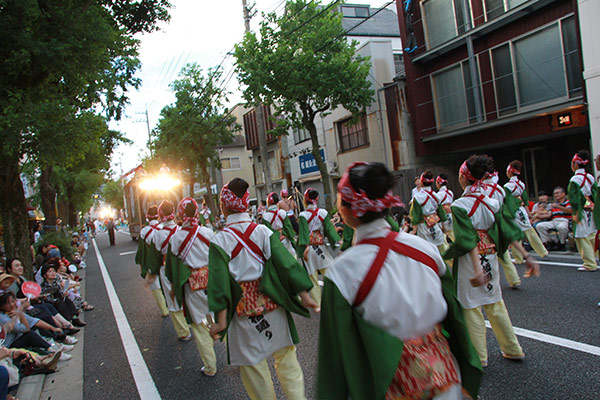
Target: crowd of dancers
[[401, 314]]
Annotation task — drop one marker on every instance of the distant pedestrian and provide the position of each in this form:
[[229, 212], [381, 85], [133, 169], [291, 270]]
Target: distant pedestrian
[[110, 227]]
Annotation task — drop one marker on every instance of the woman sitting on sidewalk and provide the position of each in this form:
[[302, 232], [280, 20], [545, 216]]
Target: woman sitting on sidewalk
[[53, 290]]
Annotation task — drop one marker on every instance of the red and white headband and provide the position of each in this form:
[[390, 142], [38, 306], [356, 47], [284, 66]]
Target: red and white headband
[[308, 199], [161, 214], [270, 200], [441, 181], [232, 201], [578, 160], [359, 202], [477, 183], [512, 170], [425, 180], [284, 193], [181, 210]]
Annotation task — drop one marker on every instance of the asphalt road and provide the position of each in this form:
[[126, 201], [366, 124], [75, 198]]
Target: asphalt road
[[562, 303]]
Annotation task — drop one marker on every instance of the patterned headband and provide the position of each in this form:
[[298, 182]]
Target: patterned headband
[[270, 200], [181, 210], [359, 202], [425, 180], [232, 201], [441, 181], [512, 170], [163, 217], [309, 200], [578, 160]]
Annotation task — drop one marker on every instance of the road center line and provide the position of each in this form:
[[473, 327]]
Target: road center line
[[558, 341], [128, 252], [560, 264], [143, 380]]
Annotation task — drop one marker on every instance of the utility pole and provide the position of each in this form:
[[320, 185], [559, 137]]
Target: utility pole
[[145, 114], [473, 65], [260, 122]]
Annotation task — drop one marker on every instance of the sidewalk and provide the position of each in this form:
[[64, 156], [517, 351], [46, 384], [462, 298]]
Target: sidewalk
[[67, 382]]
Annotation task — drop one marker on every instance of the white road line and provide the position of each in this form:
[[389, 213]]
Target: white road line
[[125, 233], [128, 252], [560, 264], [558, 341], [143, 380]]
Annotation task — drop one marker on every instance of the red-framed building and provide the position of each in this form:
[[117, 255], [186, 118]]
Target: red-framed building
[[502, 77]]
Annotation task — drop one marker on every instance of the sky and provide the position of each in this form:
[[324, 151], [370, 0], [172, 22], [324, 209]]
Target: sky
[[199, 31]]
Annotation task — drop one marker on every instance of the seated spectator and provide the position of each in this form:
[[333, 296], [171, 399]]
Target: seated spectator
[[542, 210], [39, 309], [559, 221], [55, 292], [17, 325], [72, 285]]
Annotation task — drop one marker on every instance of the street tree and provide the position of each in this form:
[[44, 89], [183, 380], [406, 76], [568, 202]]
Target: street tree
[[112, 194], [301, 64], [60, 58], [190, 129]]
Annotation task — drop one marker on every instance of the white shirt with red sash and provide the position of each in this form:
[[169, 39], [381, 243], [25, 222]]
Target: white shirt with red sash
[[516, 187], [586, 226], [161, 240], [248, 344], [446, 197], [319, 257], [429, 202], [190, 244], [406, 299], [481, 210], [275, 217]]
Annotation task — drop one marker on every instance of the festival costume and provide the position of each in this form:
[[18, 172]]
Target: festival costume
[[446, 197], [162, 239], [381, 329], [582, 192], [187, 269], [516, 200], [479, 223], [206, 218], [348, 232], [256, 279], [496, 192], [426, 213], [278, 221], [314, 225]]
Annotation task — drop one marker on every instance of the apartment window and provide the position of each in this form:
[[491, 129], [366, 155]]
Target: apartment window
[[355, 12], [444, 20], [230, 163], [454, 96], [399, 65], [301, 135], [353, 135], [535, 69], [495, 8]]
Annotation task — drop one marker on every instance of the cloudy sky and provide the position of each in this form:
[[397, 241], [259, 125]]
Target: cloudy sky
[[199, 31]]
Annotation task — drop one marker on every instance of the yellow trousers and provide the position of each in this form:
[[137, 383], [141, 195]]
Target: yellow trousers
[[205, 346], [536, 244], [160, 301], [510, 271], [585, 246], [257, 378], [180, 324], [501, 325], [442, 248], [315, 292], [450, 234]]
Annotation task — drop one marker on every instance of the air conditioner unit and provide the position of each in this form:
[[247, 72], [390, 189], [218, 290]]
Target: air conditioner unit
[[332, 167]]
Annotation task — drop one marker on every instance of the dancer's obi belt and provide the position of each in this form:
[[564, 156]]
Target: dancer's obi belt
[[431, 219], [486, 245], [315, 238], [253, 301], [447, 208], [199, 279], [427, 366]]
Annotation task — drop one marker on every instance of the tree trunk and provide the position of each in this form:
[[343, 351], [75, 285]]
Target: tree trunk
[[71, 216], [13, 209], [309, 124], [48, 195], [207, 184], [191, 183]]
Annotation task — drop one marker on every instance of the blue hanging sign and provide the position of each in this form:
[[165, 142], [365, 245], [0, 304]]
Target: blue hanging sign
[[308, 163]]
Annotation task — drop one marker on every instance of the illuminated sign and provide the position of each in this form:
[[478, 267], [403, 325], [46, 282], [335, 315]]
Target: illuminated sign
[[564, 119]]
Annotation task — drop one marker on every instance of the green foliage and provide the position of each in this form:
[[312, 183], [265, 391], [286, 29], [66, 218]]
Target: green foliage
[[112, 193], [190, 129]]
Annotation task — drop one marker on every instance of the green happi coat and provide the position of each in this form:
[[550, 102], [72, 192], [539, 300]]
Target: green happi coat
[[416, 213], [304, 233], [287, 231]]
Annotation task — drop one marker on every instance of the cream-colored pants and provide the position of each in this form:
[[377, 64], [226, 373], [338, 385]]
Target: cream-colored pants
[[180, 324], [257, 378], [536, 244], [160, 301], [585, 246], [510, 271], [442, 248], [315, 292], [205, 346], [501, 325]]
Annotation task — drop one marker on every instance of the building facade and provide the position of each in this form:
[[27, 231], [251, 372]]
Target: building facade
[[502, 77]]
